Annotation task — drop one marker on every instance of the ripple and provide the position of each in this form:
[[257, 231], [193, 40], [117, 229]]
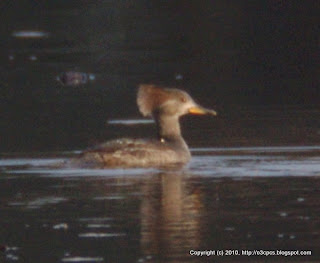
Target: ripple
[[30, 161], [115, 197], [64, 226], [98, 226], [95, 219], [7, 248], [82, 259], [30, 34], [254, 166], [283, 214], [230, 228], [130, 121], [39, 202], [12, 257], [306, 218], [100, 235], [280, 235], [271, 149]]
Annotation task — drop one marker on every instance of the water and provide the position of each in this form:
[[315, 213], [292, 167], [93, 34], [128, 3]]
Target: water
[[241, 198], [252, 183]]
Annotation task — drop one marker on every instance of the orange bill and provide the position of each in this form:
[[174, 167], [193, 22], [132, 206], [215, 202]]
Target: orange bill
[[201, 111]]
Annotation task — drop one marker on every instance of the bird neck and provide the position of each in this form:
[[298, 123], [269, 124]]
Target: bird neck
[[169, 133], [168, 128]]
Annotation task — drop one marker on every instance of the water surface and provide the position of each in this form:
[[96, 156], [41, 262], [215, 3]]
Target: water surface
[[226, 198]]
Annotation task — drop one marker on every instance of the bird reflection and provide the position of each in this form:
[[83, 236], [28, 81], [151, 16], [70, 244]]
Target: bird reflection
[[170, 218]]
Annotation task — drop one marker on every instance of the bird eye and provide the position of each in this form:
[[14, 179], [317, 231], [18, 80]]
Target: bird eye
[[183, 99]]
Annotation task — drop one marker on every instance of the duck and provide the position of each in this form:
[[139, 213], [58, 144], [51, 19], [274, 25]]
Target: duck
[[165, 105]]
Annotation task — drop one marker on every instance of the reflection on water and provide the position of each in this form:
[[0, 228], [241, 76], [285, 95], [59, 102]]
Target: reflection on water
[[226, 198]]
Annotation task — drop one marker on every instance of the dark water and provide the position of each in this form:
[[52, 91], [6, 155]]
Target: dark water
[[233, 58], [254, 198], [253, 182]]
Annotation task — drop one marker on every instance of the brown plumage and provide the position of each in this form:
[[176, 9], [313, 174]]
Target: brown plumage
[[165, 106]]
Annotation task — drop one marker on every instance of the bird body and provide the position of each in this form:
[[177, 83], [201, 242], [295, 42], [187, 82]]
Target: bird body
[[165, 106], [127, 152]]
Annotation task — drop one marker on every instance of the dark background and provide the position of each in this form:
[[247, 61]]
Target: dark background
[[233, 55]]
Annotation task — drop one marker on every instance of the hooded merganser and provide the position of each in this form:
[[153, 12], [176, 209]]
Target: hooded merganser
[[165, 106]]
